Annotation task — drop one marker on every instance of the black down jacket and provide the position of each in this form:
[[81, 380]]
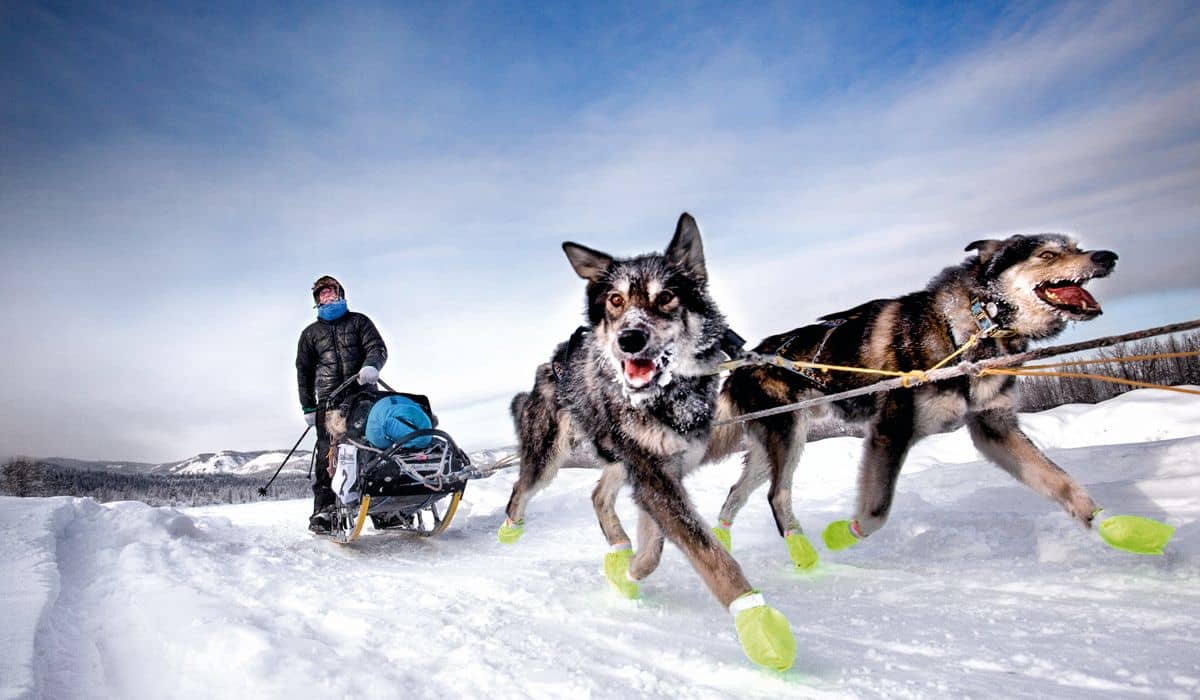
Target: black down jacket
[[330, 352]]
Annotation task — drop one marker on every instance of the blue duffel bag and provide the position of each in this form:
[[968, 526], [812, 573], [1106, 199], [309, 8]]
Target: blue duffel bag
[[392, 418]]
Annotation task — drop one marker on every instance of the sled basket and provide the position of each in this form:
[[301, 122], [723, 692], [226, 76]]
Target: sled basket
[[401, 487]]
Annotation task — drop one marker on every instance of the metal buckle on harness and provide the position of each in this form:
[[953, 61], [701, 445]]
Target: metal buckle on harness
[[983, 319]]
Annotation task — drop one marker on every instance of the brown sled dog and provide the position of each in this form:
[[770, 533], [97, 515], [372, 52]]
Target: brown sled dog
[[1027, 287]]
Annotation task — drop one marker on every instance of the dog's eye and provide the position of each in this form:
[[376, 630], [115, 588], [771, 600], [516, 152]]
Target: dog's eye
[[616, 300], [664, 297], [1047, 255]]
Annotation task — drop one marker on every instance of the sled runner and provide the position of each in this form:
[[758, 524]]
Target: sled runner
[[412, 485]]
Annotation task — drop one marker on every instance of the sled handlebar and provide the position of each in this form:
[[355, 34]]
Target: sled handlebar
[[328, 400]]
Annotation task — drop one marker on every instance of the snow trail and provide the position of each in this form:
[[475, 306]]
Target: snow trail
[[975, 588]]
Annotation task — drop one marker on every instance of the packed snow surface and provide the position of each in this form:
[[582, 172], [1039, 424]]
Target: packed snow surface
[[976, 587]]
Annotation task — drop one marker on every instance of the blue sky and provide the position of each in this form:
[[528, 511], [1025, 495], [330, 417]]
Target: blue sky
[[173, 178]]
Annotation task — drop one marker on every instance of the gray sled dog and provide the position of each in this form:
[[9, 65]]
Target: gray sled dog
[[637, 386], [1010, 292]]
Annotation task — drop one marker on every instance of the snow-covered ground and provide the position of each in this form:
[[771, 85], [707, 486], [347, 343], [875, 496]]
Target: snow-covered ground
[[976, 588]]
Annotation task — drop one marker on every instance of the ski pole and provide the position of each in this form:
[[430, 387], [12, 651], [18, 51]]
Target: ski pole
[[263, 491]]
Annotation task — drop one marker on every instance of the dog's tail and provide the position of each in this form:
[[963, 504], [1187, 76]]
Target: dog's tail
[[518, 405], [726, 439]]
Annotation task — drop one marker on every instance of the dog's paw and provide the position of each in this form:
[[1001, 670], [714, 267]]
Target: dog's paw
[[724, 537], [840, 534], [510, 532], [616, 570], [803, 554], [764, 633], [1082, 508]]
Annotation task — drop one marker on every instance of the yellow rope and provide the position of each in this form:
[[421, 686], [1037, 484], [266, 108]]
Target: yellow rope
[[907, 379], [965, 346], [918, 376], [1116, 360], [1081, 375]]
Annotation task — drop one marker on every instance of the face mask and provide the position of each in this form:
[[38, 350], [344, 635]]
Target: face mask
[[332, 311]]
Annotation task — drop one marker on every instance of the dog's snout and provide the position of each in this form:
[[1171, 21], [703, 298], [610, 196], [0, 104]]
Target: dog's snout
[[1107, 258], [632, 340]]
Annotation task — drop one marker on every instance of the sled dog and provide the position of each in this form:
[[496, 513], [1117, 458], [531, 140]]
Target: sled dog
[[1009, 291], [636, 386]]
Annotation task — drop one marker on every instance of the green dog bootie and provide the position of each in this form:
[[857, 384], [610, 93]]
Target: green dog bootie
[[803, 554], [840, 534], [1132, 533], [721, 532], [616, 570], [510, 532], [764, 632]]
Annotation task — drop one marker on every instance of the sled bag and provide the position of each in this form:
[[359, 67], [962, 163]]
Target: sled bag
[[394, 417]]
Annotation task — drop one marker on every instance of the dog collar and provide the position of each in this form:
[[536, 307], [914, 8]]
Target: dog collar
[[983, 313]]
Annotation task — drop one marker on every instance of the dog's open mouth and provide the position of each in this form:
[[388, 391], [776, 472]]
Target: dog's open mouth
[[643, 374], [640, 372], [1070, 297]]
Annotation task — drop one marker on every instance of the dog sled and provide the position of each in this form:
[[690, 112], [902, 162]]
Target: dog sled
[[414, 485]]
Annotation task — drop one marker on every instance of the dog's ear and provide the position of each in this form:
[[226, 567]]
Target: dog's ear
[[986, 248], [685, 249], [589, 264]]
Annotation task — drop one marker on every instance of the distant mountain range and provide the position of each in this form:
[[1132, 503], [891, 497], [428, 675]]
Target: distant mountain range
[[228, 462], [223, 462]]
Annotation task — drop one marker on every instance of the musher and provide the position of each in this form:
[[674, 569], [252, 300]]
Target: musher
[[338, 345]]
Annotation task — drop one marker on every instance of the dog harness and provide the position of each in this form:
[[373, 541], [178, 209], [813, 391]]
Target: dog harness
[[983, 313], [832, 325]]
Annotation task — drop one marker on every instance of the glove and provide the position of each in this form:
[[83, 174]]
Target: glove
[[368, 375], [310, 418]]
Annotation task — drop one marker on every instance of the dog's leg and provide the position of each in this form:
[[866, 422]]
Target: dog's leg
[[650, 547], [999, 437], [542, 453], [764, 633], [755, 471], [783, 451], [604, 499], [784, 448], [620, 553], [663, 498], [884, 449]]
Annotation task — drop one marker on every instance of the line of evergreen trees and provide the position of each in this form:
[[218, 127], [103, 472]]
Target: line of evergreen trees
[[24, 476], [1041, 393]]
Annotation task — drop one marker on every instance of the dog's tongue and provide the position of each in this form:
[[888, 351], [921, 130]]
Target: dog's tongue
[[1073, 295], [639, 371]]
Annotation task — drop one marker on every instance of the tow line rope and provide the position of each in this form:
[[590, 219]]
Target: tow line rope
[[489, 469], [941, 372], [1039, 371], [907, 379]]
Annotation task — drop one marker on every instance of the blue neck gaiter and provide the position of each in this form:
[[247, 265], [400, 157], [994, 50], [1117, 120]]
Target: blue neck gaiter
[[332, 311]]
